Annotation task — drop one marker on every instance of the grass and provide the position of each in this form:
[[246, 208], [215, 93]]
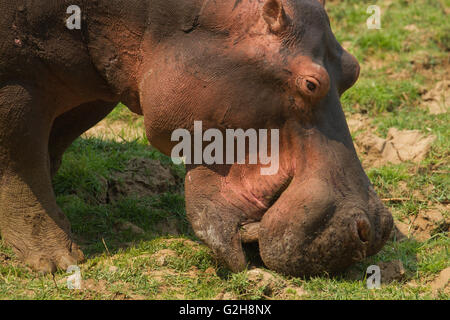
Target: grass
[[397, 65]]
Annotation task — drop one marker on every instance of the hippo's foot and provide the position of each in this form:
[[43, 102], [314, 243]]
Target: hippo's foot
[[48, 261], [46, 246]]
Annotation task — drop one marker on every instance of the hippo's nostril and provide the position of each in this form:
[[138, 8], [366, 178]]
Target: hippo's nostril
[[364, 230]]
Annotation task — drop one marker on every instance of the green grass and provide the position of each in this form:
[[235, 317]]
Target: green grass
[[396, 65]]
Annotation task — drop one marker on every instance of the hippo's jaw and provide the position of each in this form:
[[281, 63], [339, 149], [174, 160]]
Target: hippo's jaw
[[318, 214]]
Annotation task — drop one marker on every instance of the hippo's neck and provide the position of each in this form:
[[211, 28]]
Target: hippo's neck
[[120, 35]]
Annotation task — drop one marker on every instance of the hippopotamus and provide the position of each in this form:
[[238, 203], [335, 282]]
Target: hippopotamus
[[232, 64]]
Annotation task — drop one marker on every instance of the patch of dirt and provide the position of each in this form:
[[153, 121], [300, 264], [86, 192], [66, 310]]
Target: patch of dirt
[[4, 258], [423, 226], [358, 121], [442, 282], [406, 145], [225, 296], [411, 27], [371, 144], [265, 280], [426, 224], [162, 257], [141, 177], [193, 272], [399, 75], [347, 45], [430, 67], [399, 146], [113, 269], [437, 100], [104, 288], [294, 292], [160, 275], [400, 231], [13, 262], [375, 64], [99, 286], [392, 271]]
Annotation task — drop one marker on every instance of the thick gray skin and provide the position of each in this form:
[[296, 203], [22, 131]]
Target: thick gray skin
[[157, 57]]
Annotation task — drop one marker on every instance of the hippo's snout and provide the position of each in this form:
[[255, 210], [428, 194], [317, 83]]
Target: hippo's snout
[[300, 249], [319, 227]]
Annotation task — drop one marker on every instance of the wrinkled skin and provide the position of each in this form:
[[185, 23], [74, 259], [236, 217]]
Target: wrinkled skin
[[267, 64]]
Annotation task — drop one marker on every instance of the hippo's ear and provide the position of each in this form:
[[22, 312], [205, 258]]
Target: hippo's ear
[[274, 15]]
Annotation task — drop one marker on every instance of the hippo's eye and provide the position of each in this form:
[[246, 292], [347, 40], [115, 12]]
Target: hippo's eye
[[311, 86], [308, 86], [311, 80]]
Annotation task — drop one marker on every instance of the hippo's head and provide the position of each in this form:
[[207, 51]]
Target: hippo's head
[[267, 64]]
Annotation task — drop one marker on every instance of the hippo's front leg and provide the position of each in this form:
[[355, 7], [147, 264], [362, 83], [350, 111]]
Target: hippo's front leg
[[30, 220], [214, 221]]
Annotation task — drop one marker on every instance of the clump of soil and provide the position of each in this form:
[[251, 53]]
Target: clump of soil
[[162, 257], [421, 227], [103, 288], [225, 296], [100, 286], [142, 177], [442, 282], [265, 280], [400, 231], [357, 122], [294, 292], [392, 271], [160, 275], [399, 146], [437, 100], [426, 224]]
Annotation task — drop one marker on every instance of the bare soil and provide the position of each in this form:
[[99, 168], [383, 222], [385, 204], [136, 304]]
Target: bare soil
[[399, 145], [141, 178], [423, 226]]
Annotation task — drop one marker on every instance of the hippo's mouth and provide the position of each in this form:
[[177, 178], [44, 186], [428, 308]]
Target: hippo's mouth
[[348, 226], [250, 232]]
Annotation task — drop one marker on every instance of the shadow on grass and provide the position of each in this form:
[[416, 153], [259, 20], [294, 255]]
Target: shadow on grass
[[101, 224]]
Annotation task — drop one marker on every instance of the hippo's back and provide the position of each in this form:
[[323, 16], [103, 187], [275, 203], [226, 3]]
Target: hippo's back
[[37, 47], [7, 42]]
